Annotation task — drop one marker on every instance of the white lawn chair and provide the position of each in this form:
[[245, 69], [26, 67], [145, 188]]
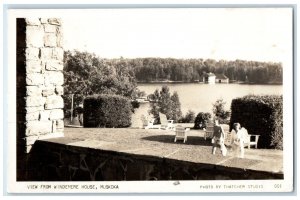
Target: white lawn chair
[[250, 142], [147, 124], [181, 133], [209, 131], [229, 138], [165, 123]]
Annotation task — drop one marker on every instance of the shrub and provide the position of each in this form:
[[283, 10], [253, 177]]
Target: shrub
[[111, 111], [260, 115], [188, 118], [201, 120]]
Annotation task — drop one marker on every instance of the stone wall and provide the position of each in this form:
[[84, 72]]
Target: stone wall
[[62, 162], [39, 82]]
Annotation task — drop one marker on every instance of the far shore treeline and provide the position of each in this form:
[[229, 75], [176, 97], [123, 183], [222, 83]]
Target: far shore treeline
[[191, 70], [86, 74]]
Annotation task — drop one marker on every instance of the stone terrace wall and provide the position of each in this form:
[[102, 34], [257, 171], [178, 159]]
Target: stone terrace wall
[[62, 162], [39, 82]]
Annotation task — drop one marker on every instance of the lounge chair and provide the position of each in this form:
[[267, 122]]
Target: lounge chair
[[229, 138], [209, 131], [181, 133], [250, 142], [165, 123], [147, 124]]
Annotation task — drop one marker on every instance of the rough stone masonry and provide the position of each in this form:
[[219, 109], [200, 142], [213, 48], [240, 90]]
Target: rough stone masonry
[[43, 62]]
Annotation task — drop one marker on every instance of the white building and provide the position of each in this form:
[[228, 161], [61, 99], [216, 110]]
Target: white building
[[209, 78], [221, 78]]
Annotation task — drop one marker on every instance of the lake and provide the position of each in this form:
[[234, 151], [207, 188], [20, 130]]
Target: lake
[[199, 97]]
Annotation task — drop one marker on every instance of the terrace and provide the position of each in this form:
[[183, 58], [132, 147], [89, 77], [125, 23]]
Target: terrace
[[139, 154]]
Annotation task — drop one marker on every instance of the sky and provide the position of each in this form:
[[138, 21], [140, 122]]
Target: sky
[[261, 34]]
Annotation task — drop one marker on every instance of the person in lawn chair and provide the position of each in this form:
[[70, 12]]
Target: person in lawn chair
[[218, 139]]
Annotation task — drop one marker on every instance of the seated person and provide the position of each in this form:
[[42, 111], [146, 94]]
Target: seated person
[[240, 136], [218, 139]]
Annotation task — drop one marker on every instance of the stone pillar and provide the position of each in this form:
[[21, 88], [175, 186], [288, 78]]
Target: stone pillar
[[39, 81]]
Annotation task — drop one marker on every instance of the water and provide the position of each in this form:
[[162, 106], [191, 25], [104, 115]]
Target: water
[[200, 97]]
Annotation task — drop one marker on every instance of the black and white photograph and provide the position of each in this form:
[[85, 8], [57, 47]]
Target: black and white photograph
[[192, 99]]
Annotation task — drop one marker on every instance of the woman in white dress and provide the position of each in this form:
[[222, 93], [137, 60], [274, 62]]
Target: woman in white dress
[[240, 136]]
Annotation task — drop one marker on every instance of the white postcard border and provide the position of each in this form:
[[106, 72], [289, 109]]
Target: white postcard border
[[285, 185]]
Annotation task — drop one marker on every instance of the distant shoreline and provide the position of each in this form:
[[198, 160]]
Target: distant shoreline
[[183, 82]]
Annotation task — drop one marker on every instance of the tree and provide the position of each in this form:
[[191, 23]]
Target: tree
[[163, 102], [86, 74], [176, 107], [187, 70], [78, 67], [155, 99], [219, 111]]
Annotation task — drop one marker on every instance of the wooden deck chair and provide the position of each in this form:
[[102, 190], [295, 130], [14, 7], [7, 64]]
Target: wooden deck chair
[[165, 123], [209, 131], [181, 133], [147, 124], [252, 141], [229, 138]]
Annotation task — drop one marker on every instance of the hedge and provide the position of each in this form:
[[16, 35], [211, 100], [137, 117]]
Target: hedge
[[260, 115], [110, 111], [201, 120]]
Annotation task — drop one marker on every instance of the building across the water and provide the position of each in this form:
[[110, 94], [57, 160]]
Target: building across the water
[[221, 78], [209, 78], [212, 78]]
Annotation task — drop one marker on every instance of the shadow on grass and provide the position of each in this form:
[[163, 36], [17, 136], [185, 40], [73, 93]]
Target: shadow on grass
[[191, 140]]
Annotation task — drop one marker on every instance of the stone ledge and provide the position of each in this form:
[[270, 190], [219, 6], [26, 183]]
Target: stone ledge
[[118, 162]]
